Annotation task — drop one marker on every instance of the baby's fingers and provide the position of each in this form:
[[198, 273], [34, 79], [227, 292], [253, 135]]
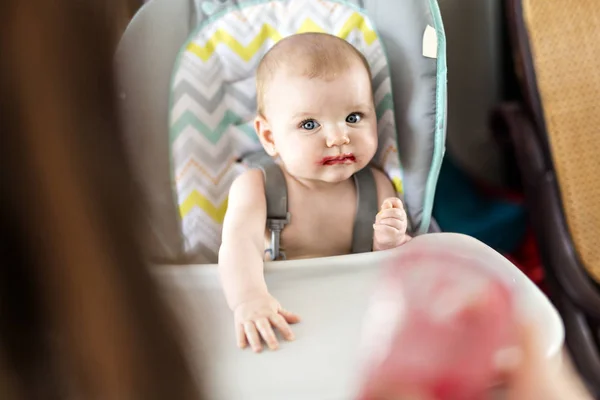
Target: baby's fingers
[[394, 223], [280, 323], [241, 336], [252, 336], [289, 316], [394, 213], [264, 327], [385, 232], [392, 202]]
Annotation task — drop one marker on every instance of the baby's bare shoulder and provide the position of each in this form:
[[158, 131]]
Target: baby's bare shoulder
[[246, 196], [249, 185], [385, 188]]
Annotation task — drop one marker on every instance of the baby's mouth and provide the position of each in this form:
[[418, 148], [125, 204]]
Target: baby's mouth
[[347, 158]]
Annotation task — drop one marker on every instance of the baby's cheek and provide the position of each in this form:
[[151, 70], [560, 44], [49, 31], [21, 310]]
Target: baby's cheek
[[368, 146], [301, 151], [297, 158]]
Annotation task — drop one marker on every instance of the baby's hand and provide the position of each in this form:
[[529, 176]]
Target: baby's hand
[[254, 319], [390, 225]]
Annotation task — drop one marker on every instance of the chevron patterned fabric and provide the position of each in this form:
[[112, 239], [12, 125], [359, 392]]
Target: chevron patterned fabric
[[213, 102]]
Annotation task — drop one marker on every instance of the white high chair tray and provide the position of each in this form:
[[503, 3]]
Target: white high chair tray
[[331, 295]]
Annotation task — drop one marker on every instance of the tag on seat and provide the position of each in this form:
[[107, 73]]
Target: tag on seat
[[430, 42]]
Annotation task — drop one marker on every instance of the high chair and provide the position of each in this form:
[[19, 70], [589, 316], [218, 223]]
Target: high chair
[[187, 90]]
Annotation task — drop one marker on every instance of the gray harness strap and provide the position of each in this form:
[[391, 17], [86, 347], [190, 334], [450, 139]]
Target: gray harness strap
[[367, 208], [277, 204]]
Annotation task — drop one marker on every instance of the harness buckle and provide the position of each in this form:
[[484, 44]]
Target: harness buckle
[[276, 225]]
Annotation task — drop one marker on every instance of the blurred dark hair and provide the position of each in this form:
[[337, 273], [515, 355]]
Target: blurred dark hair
[[80, 316]]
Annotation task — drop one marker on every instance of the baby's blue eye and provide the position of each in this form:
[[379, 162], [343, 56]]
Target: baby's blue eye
[[309, 125], [353, 118]]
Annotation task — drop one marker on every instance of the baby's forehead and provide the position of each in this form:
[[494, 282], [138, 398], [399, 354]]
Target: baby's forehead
[[308, 56], [303, 74], [299, 78], [290, 93]]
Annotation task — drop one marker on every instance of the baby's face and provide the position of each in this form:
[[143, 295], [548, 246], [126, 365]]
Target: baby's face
[[323, 130]]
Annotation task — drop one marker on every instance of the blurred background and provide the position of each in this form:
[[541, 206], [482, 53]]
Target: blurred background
[[487, 189]]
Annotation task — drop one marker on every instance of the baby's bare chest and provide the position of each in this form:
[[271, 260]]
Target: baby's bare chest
[[321, 223]]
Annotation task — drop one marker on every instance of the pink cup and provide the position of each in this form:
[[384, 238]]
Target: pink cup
[[434, 328]]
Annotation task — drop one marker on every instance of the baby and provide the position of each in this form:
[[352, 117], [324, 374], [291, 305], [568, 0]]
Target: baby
[[317, 119]]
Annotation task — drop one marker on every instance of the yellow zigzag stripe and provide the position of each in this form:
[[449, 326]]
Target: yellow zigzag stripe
[[310, 26], [398, 185], [195, 199], [245, 52], [356, 21], [397, 182]]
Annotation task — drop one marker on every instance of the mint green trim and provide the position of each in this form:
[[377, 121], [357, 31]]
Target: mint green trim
[[440, 119]]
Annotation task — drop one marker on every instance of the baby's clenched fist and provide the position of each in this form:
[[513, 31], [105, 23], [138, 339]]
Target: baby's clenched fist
[[390, 225]]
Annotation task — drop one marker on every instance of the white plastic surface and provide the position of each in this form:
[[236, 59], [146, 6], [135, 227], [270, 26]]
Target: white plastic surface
[[331, 295]]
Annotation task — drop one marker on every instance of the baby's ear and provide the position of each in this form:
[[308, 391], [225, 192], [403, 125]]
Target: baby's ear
[[265, 135]]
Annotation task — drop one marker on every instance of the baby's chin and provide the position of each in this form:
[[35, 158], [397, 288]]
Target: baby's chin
[[337, 174], [326, 174], [321, 178]]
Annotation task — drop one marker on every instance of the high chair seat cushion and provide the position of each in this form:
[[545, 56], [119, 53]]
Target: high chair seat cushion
[[213, 102], [410, 33]]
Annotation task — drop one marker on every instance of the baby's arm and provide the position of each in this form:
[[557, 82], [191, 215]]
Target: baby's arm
[[391, 221], [242, 248], [241, 265]]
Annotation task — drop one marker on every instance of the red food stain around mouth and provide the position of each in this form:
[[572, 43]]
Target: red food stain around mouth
[[340, 159]]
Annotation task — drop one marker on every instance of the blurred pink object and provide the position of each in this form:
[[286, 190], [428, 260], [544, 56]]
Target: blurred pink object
[[435, 327]]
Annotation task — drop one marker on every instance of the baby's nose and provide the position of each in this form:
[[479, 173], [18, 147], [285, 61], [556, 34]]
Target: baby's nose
[[337, 137]]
